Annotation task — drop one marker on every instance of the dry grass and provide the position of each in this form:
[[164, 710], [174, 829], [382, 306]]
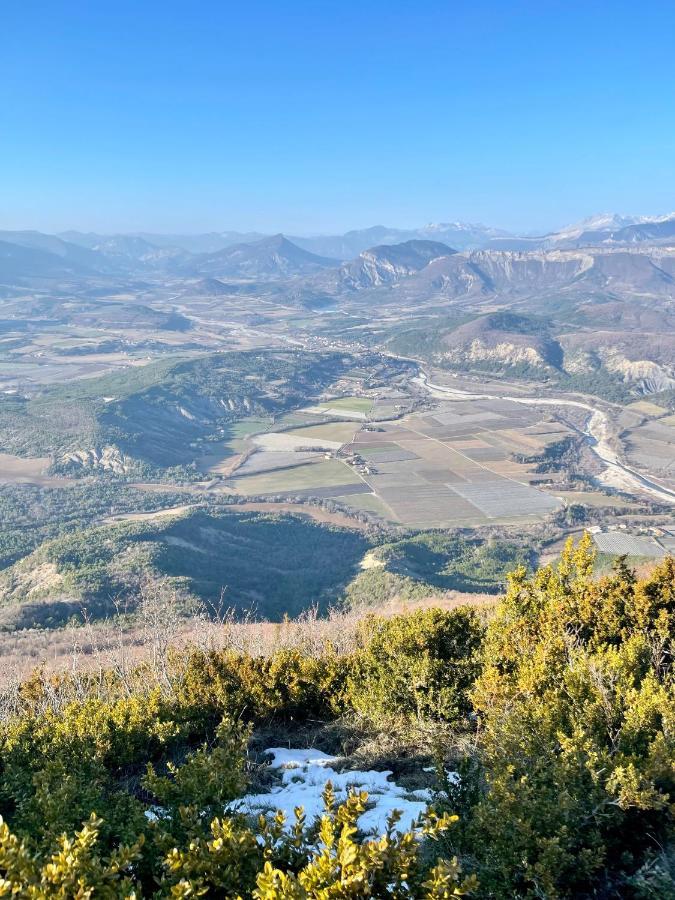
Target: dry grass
[[29, 470], [158, 630]]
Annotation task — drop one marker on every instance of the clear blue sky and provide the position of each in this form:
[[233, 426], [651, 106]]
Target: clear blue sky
[[322, 116]]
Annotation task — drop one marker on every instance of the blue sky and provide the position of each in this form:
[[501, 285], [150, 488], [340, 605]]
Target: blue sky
[[319, 117]]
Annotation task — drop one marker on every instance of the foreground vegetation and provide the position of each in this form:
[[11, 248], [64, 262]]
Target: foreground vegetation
[[558, 713]]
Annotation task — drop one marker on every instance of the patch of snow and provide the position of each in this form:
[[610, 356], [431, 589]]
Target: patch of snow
[[304, 774]]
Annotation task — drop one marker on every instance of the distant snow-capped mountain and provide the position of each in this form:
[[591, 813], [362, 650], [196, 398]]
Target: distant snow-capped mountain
[[462, 235], [614, 229], [599, 222], [459, 235]]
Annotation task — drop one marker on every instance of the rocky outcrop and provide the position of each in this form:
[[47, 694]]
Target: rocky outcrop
[[387, 264], [105, 459]]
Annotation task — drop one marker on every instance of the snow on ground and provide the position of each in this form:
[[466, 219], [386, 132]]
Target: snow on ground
[[304, 774]]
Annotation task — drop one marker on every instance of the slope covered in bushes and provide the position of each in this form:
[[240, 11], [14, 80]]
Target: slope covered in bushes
[[559, 714]]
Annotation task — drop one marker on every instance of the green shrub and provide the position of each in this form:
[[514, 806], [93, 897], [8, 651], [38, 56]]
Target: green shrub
[[227, 856], [283, 687], [576, 701], [417, 666], [568, 698], [338, 866]]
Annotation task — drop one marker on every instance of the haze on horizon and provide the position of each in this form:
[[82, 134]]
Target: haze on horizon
[[294, 118]]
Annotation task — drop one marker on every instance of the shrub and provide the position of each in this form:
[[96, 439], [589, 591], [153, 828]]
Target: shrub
[[232, 858], [285, 686], [58, 767], [336, 865], [577, 723], [418, 666]]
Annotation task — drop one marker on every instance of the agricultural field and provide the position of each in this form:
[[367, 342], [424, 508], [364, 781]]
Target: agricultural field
[[618, 543], [340, 432], [347, 407], [597, 500], [453, 466], [270, 460], [647, 407], [316, 479], [26, 470], [651, 447], [462, 463], [219, 456]]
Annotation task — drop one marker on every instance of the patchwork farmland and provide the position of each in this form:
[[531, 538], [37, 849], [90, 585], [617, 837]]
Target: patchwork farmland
[[455, 465], [649, 439]]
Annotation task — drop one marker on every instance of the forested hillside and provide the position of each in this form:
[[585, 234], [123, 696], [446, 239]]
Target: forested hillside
[[147, 418], [214, 554], [247, 561]]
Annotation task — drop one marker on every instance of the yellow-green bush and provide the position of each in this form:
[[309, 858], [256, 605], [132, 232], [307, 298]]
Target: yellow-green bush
[[418, 666], [232, 858], [285, 686], [568, 699], [576, 701], [150, 772], [59, 766]]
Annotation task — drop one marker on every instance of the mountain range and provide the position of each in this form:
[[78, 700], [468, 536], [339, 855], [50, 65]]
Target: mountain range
[[462, 236], [359, 258], [388, 263], [592, 302], [271, 256]]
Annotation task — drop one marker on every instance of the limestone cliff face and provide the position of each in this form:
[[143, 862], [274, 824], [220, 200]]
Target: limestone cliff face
[[653, 375], [502, 339], [30, 579], [504, 352]]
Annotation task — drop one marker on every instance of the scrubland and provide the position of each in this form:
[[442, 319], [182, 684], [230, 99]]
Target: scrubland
[[539, 727]]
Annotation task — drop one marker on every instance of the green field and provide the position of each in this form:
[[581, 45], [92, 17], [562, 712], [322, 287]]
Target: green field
[[593, 498], [327, 473], [244, 427], [649, 409], [351, 404], [237, 432], [295, 417], [382, 447]]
